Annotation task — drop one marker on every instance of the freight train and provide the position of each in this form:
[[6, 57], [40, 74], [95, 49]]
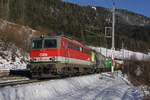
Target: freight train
[[61, 56]]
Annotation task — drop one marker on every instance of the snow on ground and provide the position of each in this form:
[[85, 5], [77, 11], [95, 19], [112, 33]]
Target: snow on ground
[[146, 91], [123, 54], [11, 57], [91, 87]]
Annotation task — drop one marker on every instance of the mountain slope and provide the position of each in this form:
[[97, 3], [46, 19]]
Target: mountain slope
[[84, 23]]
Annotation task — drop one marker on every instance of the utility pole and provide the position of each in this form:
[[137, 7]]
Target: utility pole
[[122, 50], [108, 34], [113, 27], [113, 36]]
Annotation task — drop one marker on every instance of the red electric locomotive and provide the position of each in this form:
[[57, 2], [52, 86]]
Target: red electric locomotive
[[60, 56]]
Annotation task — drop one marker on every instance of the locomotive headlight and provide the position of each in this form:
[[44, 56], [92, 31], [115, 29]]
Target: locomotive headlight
[[33, 60], [52, 59]]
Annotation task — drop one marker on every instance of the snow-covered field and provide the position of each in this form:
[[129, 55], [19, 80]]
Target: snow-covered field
[[146, 91], [91, 87]]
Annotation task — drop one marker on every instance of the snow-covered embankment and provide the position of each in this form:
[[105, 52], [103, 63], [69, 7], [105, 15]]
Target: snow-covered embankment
[[92, 87], [11, 57]]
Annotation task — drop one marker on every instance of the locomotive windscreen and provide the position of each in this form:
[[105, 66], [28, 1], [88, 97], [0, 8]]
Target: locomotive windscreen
[[44, 43], [36, 44], [50, 43]]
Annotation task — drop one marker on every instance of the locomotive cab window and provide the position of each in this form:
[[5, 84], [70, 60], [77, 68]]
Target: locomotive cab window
[[50, 43], [36, 44]]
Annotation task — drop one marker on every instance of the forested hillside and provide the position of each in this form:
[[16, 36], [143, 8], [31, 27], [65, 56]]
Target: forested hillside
[[83, 22]]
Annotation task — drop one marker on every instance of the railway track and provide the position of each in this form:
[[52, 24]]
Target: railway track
[[17, 77], [12, 81], [17, 82]]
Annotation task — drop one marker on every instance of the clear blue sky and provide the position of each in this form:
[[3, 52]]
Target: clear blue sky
[[138, 6]]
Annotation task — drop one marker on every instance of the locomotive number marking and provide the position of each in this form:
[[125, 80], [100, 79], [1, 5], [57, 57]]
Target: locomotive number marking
[[43, 54]]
